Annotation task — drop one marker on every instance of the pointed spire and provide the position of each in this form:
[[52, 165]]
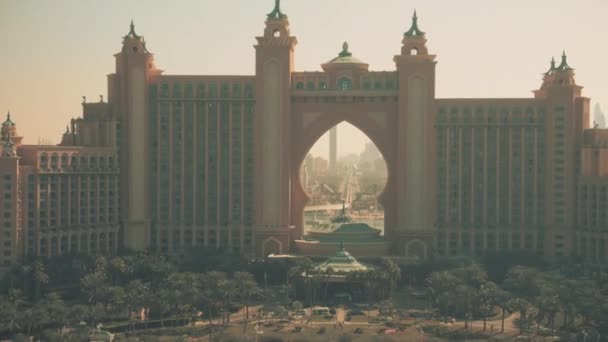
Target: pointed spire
[[8, 121], [551, 68], [564, 64], [276, 13], [132, 33], [67, 129], [414, 31]]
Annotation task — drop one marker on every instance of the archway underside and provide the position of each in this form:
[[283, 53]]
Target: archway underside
[[308, 130]]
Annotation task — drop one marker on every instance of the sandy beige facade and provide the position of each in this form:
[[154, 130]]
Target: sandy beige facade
[[215, 161]]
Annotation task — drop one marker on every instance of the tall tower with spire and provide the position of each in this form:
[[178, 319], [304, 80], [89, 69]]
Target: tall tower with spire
[[274, 64], [567, 117], [128, 93], [415, 146], [9, 192]]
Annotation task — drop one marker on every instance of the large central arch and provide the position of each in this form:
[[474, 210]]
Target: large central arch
[[378, 121]]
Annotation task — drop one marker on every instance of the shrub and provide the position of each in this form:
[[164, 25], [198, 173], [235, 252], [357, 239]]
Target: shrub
[[321, 330]]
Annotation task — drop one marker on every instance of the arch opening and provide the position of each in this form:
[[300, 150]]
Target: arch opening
[[343, 170]]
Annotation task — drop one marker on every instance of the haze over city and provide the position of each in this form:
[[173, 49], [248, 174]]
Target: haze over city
[[485, 48]]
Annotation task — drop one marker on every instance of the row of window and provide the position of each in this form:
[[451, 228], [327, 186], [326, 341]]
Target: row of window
[[528, 115], [212, 90], [234, 237], [86, 243], [466, 243], [485, 172], [75, 162], [202, 162]]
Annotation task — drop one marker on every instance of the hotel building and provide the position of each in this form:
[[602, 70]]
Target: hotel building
[[173, 162]]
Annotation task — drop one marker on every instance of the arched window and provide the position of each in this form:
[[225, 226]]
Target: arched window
[[300, 85], [44, 159], [64, 160], [54, 161], [345, 83], [74, 161], [310, 85], [414, 51]]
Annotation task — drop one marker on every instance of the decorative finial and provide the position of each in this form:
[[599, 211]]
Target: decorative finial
[[8, 121], [345, 52], [276, 12], [67, 129], [343, 207], [564, 64], [414, 31], [100, 98], [84, 99], [551, 68], [132, 33]]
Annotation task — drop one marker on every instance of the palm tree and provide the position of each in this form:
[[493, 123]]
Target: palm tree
[[228, 290], [464, 297], [11, 307], [502, 298], [488, 298], [57, 311], [39, 275], [246, 287], [521, 305], [393, 272]]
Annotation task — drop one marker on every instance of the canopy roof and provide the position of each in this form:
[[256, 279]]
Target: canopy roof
[[342, 262]]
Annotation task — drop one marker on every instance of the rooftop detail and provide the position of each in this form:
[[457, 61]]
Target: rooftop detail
[[132, 33], [345, 57], [414, 31], [276, 13], [564, 64], [8, 121], [342, 262], [552, 68]]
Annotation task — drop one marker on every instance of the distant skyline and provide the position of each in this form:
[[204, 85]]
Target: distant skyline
[[54, 53]]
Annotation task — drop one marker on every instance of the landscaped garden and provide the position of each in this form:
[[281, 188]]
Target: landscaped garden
[[150, 298]]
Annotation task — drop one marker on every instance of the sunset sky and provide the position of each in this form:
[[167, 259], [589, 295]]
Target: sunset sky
[[55, 51]]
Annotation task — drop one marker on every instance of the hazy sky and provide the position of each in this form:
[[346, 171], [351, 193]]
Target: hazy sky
[[55, 51]]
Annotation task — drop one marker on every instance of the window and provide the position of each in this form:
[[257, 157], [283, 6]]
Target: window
[[345, 83]]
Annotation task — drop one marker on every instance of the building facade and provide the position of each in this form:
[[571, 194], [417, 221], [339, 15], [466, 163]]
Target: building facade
[[174, 162]]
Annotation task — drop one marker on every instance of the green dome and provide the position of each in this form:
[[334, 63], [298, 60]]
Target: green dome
[[342, 262], [345, 57]]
